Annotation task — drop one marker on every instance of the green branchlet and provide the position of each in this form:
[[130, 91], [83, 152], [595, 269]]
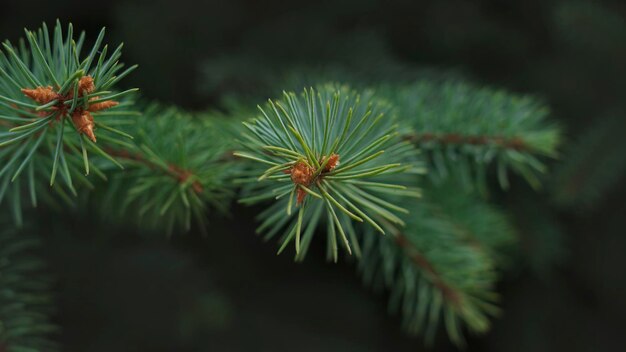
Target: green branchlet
[[326, 157], [51, 102], [177, 167], [464, 129], [442, 267]]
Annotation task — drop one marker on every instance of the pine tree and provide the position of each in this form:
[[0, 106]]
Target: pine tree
[[396, 175]]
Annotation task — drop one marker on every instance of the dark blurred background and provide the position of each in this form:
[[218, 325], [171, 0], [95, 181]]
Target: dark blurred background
[[120, 291]]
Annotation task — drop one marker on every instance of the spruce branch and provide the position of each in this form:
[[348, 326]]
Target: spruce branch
[[464, 129], [442, 267], [328, 156], [52, 102], [25, 299], [174, 171]]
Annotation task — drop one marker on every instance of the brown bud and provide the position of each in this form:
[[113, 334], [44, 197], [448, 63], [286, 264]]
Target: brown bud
[[85, 85], [102, 106], [300, 195], [301, 173], [333, 161], [42, 95], [83, 121]]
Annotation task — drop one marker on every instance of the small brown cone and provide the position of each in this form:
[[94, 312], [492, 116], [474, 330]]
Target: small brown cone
[[83, 121], [42, 95]]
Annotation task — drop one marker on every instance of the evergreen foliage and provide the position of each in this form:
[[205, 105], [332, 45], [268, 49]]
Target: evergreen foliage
[[442, 268], [177, 166], [329, 161], [464, 128], [332, 154], [440, 254], [46, 89]]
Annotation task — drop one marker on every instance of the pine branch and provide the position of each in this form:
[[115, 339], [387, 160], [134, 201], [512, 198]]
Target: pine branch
[[327, 156], [50, 100], [176, 169], [464, 129], [25, 299], [176, 172], [443, 265], [450, 294], [455, 139]]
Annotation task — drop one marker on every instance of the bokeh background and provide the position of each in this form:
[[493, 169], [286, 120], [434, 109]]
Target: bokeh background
[[120, 291]]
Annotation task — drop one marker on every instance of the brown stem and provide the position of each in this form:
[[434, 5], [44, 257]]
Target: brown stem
[[174, 171], [459, 139], [449, 293], [465, 235]]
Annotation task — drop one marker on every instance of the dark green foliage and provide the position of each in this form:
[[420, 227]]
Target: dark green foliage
[[441, 268], [463, 129], [177, 167], [25, 298]]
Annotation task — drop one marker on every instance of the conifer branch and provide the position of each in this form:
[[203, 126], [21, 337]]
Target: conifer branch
[[448, 292], [434, 271], [455, 139], [174, 171], [53, 103], [178, 173], [320, 156], [329, 158], [464, 129]]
